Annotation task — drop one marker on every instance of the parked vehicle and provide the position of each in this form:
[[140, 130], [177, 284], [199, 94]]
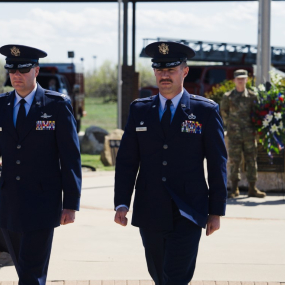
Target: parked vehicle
[[66, 78], [202, 78]]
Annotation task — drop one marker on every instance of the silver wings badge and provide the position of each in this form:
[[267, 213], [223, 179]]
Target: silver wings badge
[[191, 117], [45, 116]]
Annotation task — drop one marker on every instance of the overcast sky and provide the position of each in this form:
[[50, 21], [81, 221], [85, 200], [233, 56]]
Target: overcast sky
[[90, 29]]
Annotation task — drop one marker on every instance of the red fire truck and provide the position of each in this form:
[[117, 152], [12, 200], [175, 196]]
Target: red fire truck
[[66, 78]]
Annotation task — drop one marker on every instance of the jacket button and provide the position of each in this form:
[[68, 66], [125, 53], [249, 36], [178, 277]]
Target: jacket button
[[19, 146], [164, 163], [18, 178], [18, 162], [163, 179], [165, 146]]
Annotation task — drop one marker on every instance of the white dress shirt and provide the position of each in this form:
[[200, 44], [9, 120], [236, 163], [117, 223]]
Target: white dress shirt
[[175, 101]]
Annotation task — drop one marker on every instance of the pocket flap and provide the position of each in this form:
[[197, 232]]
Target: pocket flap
[[196, 186], [51, 184]]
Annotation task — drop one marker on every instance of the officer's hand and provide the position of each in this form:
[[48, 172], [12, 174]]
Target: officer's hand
[[120, 216], [67, 217], [213, 224]]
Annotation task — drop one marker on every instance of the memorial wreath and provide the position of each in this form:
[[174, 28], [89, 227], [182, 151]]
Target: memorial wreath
[[268, 115]]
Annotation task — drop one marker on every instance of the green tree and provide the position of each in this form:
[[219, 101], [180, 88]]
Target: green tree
[[146, 76], [2, 75], [102, 83]]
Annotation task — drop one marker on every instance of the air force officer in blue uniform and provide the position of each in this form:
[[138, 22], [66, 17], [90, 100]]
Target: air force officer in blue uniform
[[166, 139], [41, 163]]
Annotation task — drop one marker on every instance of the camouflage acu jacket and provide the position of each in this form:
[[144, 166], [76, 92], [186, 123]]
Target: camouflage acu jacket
[[236, 108]]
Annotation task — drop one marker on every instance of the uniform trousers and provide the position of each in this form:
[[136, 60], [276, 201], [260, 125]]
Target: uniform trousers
[[171, 254], [246, 144], [3, 246], [30, 252]]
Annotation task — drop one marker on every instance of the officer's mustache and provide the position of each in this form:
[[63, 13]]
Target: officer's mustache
[[165, 80]]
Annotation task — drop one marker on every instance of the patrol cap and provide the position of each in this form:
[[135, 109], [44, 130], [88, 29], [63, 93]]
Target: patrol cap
[[168, 54], [241, 73], [19, 56]]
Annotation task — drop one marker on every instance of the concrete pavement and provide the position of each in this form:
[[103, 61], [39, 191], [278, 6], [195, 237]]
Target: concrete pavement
[[250, 246]]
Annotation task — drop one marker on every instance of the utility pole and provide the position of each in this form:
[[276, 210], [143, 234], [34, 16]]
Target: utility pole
[[94, 62], [263, 59]]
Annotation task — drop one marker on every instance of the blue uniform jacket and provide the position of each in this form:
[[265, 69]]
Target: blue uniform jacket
[[40, 165], [172, 168]]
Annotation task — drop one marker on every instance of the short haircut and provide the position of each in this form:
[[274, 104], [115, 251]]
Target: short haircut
[[183, 64]]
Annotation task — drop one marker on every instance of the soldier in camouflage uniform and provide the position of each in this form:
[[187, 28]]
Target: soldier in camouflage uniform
[[236, 106]]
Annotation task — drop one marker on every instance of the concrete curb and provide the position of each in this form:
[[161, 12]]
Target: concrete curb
[[142, 282]]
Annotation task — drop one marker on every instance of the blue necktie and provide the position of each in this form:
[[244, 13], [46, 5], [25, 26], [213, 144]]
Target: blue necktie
[[21, 117], [165, 120]]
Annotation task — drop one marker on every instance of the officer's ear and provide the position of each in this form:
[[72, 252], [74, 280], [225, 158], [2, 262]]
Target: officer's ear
[[185, 70], [37, 70]]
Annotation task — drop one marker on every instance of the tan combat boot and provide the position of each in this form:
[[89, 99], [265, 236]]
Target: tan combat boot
[[234, 190], [254, 192]]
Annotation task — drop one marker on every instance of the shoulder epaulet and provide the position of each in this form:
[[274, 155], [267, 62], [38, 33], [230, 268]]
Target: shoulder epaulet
[[201, 98], [4, 94], [144, 100], [228, 93], [251, 92], [54, 93]]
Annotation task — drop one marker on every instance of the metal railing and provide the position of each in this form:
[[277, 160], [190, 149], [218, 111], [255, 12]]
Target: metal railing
[[226, 53]]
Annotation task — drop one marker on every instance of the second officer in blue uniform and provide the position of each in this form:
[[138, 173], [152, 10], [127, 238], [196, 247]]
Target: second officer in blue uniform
[[166, 139], [41, 161]]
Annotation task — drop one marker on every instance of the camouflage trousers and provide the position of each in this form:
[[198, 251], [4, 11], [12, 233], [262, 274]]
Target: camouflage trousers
[[247, 145]]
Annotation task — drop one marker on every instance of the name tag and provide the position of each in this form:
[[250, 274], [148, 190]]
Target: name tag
[[141, 129], [45, 125]]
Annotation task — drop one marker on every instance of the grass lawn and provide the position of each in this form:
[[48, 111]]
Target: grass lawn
[[103, 115], [94, 160]]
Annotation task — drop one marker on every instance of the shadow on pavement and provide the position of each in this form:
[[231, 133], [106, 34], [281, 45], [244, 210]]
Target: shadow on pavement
[[244, 200], [5, 259]]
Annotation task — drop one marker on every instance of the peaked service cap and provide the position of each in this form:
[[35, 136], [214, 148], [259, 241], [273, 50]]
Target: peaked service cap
[[168, 54], [19, 56], [240, 73]]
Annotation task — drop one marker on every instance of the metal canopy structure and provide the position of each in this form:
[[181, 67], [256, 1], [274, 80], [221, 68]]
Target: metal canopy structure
[[130, 77], [223, 52], [132, 1]]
